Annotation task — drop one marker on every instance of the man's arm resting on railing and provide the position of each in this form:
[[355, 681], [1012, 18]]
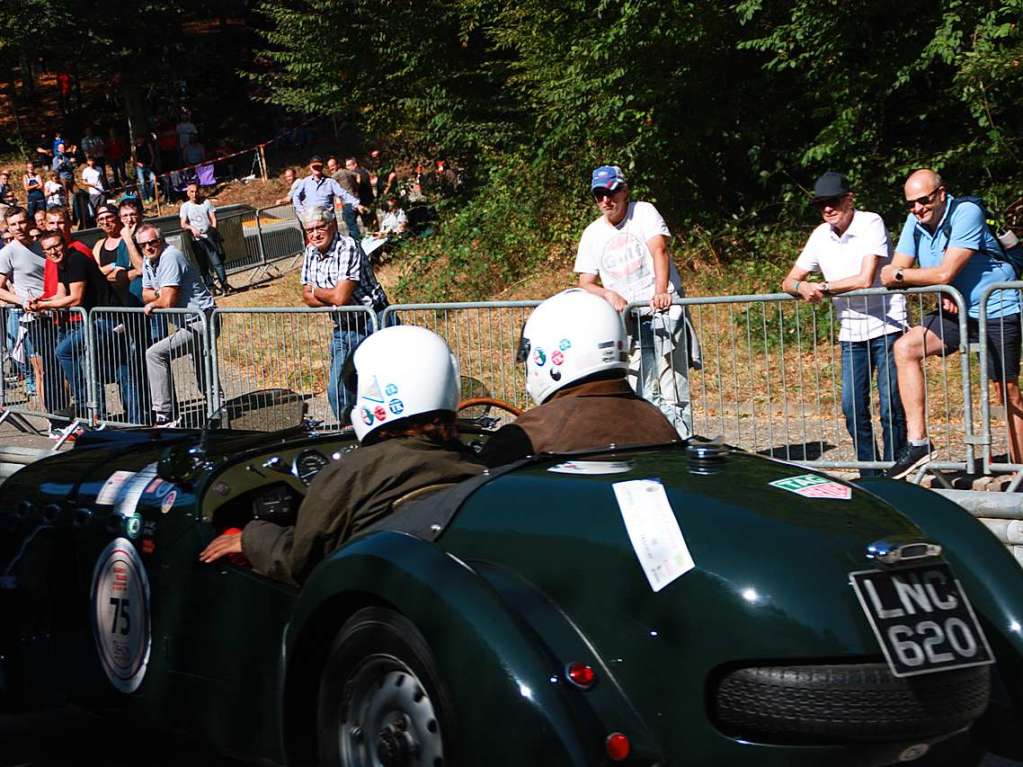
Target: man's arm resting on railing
[[942, 274], [588, 282], [795, 285]]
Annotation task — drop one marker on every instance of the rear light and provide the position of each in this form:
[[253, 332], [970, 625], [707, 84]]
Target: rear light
[[581, 675], [617, 746]]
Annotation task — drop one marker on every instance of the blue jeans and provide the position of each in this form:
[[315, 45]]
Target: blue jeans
[[144, 176], [859, 359], [340, 395], [70, 355], [351, 222]]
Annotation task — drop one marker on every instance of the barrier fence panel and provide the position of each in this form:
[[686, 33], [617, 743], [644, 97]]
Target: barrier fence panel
[[298, 348], [279, 234], [46, 363], [1001, 416], [146, 364], [484, 337], [769, 378]]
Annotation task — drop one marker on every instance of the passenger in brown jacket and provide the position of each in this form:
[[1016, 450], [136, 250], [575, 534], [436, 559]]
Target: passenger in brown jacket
[[404, 416], [574, 348]]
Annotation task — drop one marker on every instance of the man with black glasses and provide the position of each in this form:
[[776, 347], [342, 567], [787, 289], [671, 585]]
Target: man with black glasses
[[623, 258], [169, 281], [849, 247], [81, 284], [949, 241]]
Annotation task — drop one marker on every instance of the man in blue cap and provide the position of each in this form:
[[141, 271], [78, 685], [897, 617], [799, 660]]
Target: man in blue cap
[[623, 258]]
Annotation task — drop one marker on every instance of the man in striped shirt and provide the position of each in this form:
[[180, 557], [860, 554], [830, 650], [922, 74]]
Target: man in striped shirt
[[335, 272]]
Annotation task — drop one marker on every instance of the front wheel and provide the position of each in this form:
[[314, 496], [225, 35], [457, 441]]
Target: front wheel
[[381, 700]]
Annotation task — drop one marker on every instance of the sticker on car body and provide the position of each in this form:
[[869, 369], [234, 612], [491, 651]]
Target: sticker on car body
[[120, 615], [654, 531], [814, 486], [111, 490]]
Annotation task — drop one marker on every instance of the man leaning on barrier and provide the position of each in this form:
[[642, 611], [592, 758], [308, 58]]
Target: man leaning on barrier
[[170, 281], [335, 272], [81, 284], [623, 258], [849, 248], [953, 245]]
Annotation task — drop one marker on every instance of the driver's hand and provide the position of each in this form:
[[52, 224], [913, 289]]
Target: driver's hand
[[222, 546]]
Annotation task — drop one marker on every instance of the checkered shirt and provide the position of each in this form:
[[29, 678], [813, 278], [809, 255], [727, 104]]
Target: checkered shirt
[[344, 260]]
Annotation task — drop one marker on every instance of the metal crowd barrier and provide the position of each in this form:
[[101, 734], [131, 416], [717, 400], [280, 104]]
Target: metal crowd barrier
[[769, 379], [288, 348], [161, 360], [484, 337], [46, 364], [1001, 430]]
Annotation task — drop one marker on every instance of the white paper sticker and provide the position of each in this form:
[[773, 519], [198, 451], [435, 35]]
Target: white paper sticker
[[654, 531], [112, 487]]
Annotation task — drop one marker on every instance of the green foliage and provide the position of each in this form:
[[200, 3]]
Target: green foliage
[[538, 227]]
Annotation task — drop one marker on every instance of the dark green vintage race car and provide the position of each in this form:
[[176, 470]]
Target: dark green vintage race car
[[689, 605]]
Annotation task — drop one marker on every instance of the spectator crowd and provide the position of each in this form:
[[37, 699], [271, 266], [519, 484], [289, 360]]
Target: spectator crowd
[[348, 211]]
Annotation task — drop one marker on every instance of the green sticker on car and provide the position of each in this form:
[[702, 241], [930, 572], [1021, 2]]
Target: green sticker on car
[[814, 486]]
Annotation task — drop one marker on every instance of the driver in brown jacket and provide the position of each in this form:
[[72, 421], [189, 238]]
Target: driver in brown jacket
[[404, 416], [575, 350]]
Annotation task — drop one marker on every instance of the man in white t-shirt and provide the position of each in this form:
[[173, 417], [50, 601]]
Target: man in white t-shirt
[[623, 258], [92, 180], [849, 249], [199, 218]]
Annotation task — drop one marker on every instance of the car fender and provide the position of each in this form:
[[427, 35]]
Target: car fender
[[992, 579], [498, 672]]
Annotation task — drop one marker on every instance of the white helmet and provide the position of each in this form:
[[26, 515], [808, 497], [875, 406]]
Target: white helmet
[[568, 337], [402, 371]]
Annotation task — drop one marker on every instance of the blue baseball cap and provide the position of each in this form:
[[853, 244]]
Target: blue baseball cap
[[607, 177]]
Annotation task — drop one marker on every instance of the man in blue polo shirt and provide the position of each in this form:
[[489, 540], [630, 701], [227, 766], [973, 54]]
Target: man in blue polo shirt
[[952, 245], [319, 191]]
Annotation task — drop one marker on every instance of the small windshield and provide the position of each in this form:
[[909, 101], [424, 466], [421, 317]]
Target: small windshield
[[266, 410]]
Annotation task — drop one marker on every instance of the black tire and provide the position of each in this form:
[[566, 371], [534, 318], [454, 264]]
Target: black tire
[[382, 702], [848, 703]]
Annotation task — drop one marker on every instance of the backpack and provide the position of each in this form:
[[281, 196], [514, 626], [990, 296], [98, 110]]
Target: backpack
[[1012, 256]]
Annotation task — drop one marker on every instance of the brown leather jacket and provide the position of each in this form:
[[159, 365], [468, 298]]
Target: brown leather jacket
[[589, 416], [350, 494]]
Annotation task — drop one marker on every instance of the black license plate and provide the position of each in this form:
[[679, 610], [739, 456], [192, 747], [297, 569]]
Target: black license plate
[[922, 619]]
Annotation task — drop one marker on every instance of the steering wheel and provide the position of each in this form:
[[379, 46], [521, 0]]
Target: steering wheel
[[489, 402]]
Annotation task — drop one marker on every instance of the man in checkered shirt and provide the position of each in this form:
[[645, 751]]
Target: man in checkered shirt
[[335, 272]]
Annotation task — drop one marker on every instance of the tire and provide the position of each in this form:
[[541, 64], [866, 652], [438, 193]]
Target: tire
[[848, 703], [382, 702]]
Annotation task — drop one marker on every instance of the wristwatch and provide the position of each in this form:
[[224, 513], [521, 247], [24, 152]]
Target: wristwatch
[[825, 287], [898, 275]]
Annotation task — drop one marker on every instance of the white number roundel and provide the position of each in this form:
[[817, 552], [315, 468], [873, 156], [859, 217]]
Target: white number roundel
[[120, 614]]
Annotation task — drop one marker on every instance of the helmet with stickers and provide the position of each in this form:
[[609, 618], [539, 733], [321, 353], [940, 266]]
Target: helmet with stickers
[[568, 337], [402, 371]]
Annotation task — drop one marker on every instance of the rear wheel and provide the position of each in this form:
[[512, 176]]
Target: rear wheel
[[381, 700]]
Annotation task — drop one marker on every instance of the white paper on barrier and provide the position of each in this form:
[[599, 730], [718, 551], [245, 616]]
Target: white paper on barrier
[[653, 530]]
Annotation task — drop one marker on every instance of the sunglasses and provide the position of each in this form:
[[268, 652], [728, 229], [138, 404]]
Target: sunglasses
[[600, 193], [927, 199], [828, 202], [144, 243]]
